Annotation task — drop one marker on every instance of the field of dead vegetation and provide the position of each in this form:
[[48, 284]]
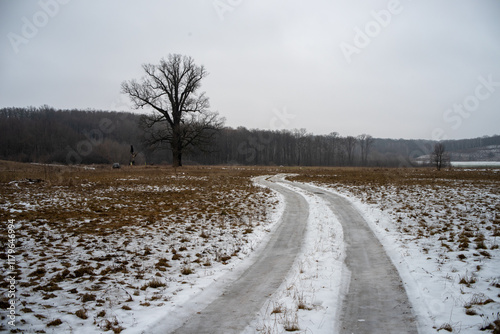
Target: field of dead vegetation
[[99, 249], [445, 230], [94, 245]]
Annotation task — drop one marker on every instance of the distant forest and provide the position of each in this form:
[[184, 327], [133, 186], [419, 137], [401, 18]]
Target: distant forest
[[46, 135]]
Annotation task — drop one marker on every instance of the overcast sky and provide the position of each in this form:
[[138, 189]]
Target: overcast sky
[[400, 69]]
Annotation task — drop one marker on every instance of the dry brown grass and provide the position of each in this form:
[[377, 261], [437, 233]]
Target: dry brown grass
[[394, 176], [451, 216], [451, 205], [93, 228], [111, 233], [113, 199]]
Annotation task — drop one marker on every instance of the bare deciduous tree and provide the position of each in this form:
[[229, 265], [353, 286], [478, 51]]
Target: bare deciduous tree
[[180, 114], [365, 141], [439, 158], [197, 130], [300, 137], [333, 139], [349, 146]]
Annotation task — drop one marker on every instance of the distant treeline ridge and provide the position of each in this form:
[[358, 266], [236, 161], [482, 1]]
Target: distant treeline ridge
[[47, 135]]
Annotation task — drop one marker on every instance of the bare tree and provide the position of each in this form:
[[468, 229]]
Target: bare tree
[[365, 141], [197, 130], [349, 146], [333, 139], [300, 137], [171, 90], [439, 158]]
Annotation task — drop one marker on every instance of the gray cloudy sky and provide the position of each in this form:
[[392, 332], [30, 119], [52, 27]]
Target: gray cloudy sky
[[401, 69]]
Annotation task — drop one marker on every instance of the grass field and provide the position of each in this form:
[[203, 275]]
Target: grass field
[[91, 241], [444, 228], [95, 246]]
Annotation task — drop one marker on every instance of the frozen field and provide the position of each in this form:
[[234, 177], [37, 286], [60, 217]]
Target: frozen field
[[442, 232], [115, 251]]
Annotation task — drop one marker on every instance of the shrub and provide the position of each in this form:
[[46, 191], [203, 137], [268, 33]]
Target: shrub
[[155, 283], [39, 272], [186, 270], [56, 322], [82, 314], [84, 270], [446, 327], [88, 297]]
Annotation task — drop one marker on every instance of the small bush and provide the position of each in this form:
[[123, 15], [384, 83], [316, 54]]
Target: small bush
[[113, 326], [225, 258], [56, 322], [39, 272], [481, 245], [82, 314], [277, 308], [186, 271], [88, 297], [84, 270], [467, 280], [291, 323], [485, 254], [446, 327], [163, 262], [470, 312], [62, 275], [155, 283]]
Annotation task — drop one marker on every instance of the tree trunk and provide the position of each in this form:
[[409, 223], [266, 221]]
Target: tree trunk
[[176, 158], [176, 146], [177, 153]]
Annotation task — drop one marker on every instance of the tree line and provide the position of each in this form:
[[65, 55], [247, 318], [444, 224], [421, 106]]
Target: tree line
[[181, 127], [66, 136], [47, 135], [287, 147]]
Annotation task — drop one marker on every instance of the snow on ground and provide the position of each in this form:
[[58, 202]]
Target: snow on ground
[[91, 258], [444, 242], [442, 238], [308, 300], [207, 287]]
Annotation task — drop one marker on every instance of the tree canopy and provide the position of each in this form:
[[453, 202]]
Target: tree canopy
[[180, 112]]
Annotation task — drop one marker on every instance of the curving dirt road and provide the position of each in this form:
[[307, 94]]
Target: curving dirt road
[[238, 305], [376, 301]]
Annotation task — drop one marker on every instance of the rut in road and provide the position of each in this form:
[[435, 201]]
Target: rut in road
[[376, 301], [241, 301]]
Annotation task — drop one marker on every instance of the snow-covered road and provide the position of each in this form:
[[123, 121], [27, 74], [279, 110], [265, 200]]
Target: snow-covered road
[[240, 300], [363, 295], [375, 300], [314, 267]]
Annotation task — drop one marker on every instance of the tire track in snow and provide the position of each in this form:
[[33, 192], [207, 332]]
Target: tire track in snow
[[233, 311], [375, 299], [308, 298]]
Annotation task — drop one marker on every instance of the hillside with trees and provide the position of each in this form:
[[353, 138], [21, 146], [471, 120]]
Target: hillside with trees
[[46, 135]]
